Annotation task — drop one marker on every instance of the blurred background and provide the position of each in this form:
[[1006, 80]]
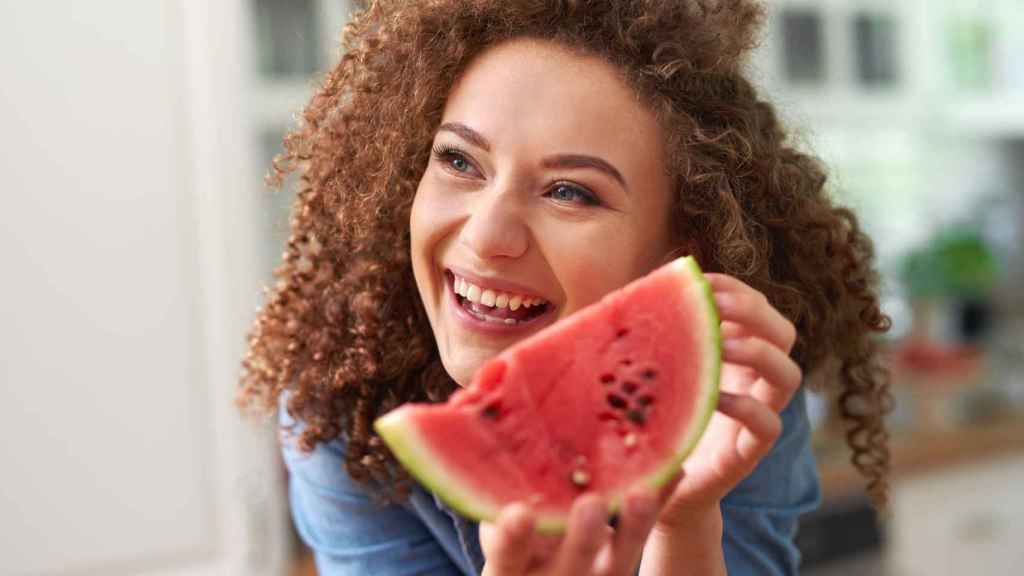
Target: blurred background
[[137, 237]]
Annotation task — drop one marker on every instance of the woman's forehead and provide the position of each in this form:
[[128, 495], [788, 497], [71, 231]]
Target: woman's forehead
[[538, 92]]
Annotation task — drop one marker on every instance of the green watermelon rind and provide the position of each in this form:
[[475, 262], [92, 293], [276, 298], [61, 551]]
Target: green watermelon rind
[[713, 364], [416, 457], [403, 440]]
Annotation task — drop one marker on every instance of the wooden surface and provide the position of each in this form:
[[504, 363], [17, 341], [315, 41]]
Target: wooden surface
[[304, 565], [921, 452]]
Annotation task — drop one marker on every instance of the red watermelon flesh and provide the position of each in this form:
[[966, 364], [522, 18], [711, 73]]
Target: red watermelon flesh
[[613, 396]]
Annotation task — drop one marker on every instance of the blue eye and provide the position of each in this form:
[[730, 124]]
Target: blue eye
[[567, 193], [459, 163], [453, 158]]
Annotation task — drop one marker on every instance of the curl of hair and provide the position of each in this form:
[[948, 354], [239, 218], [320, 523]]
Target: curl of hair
[[341, 335]]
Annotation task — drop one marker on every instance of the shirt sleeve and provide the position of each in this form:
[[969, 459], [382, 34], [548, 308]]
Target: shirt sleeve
[[349, 532], [760, 516]]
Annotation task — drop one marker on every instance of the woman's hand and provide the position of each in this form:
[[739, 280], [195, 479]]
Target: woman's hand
[[589, 546], [758, 379]]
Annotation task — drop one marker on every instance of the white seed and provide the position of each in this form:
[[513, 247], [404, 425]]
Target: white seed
[[580, 477], [629, 440], [487, 298], [514, 302], [501, 301], [473, 293]]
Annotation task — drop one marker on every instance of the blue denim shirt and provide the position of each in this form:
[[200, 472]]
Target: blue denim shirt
[[350, 534]]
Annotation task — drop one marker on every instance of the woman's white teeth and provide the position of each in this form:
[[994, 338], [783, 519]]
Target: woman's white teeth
[[489, 297]]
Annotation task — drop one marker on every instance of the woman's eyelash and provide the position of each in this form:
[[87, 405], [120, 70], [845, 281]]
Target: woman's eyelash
[[583, 195], [447, 154]]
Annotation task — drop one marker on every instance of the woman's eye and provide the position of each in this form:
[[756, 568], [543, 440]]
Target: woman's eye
[[453, 159], [567, 193], [458, 162]]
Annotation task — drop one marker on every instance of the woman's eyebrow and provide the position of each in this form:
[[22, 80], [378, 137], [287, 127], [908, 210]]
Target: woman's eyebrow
[[562, 161], [567, 161], [472, 136]]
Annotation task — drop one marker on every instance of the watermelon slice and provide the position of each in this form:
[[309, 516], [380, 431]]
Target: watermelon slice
[[610, 397]]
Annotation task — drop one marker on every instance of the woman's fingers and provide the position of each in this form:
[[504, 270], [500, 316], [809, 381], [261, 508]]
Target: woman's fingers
[[742, 305], [508, 542], [587, 532], [761, 426], [639, 512], [781, 375]]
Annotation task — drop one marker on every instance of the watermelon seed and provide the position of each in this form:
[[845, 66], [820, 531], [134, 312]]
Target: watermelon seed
[[581, 460], [629, 387], [629, 440], [491, 412], [648, 374], [617, 402], [626, 362], [636, 416], [645, 400], [580, 478], [622, 333], [607, 378]]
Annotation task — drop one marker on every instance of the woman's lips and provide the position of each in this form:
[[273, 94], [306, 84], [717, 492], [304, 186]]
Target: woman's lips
[[488, 319]]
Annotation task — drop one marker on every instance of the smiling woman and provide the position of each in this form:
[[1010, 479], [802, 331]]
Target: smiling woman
[[475, 171], [536, 188]]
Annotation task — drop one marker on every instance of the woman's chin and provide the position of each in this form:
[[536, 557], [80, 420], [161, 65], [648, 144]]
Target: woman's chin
[[463, 365]]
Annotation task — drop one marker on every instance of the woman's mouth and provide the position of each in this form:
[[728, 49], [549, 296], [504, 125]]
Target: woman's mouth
[[492, 309]]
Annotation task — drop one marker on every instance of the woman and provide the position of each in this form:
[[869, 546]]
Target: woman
[[547, 152]]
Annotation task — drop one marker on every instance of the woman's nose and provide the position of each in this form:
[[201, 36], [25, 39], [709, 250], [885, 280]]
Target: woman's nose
[[495, 227]]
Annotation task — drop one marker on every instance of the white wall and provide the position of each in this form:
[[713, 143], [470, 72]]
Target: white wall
[[126, 288]]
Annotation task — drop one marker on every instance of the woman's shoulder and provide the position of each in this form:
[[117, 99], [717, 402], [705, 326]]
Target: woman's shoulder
[[322, 467], [352, 530]]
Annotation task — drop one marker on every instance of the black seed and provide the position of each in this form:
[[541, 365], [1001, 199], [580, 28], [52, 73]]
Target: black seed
[[613, 522], [607, 378], [636, 416], [648, 374], [626, 362], [629, 387], [645, 400], [617, 401], [491, 412], [622, 333]]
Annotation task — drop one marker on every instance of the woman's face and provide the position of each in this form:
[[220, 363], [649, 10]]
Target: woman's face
[[546, 189]]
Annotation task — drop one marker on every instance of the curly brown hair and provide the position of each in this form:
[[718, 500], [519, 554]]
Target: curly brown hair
[[341, 335]]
